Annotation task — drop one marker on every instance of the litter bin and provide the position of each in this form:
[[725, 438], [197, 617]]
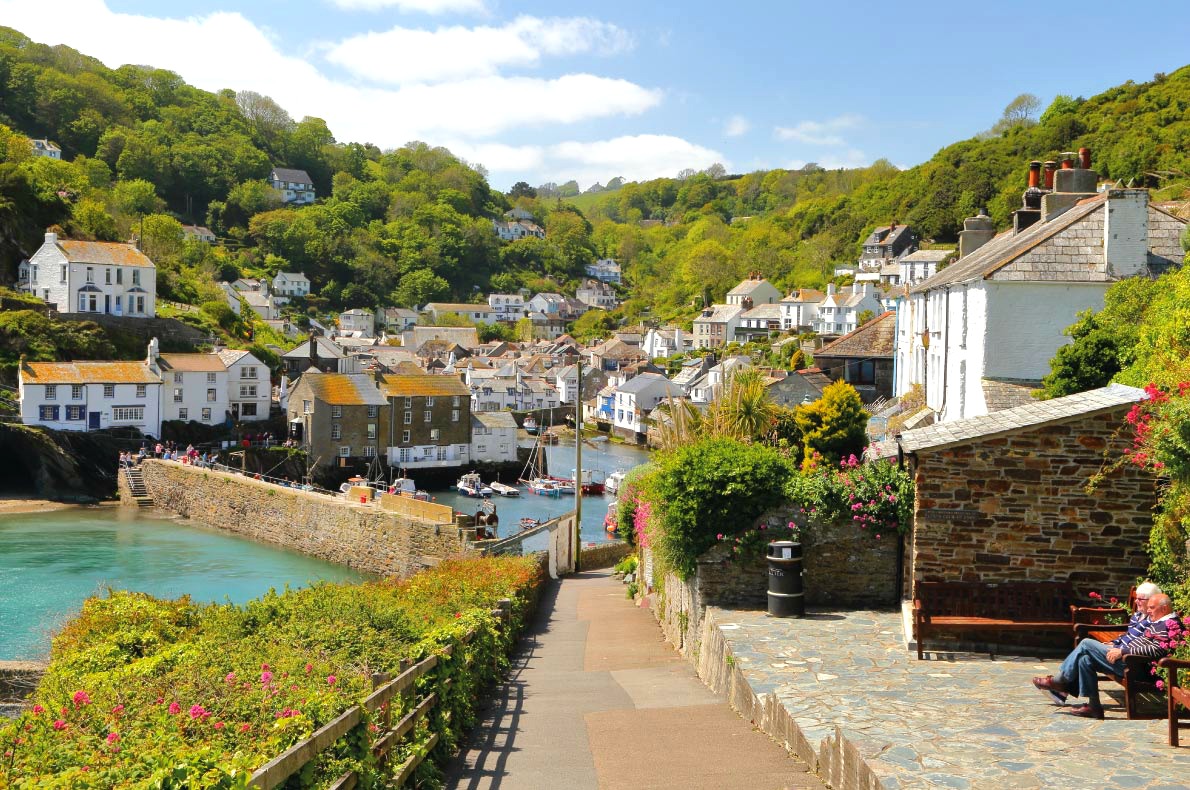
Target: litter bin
[[785, 579]]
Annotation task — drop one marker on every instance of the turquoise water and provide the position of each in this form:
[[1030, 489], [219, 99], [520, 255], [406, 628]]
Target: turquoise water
[[51, 562]]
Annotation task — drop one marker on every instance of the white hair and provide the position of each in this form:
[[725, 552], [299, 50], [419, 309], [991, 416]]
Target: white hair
[[1148, 589]]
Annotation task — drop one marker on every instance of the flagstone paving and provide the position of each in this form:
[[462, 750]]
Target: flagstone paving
[[955, 720]]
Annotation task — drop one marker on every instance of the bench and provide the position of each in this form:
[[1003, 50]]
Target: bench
[[1138, 678], [1176, 694], [981, 606]]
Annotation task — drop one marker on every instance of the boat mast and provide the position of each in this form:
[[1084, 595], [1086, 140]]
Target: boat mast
[[578, 462]]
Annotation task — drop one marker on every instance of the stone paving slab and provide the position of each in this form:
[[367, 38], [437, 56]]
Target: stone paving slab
[[956, 720]]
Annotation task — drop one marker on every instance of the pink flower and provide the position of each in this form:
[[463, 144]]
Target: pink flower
[[38, 709], [245, 727], [264, 667], [266, 677], [331, 680], [719, 536], [219, 725], [309, 668], [1160, 685], [112, 737], [118, 710], [1095, 595], [197, 712], [230, 677], [161, 700], [60, 725], [174, 708], [81, 698]]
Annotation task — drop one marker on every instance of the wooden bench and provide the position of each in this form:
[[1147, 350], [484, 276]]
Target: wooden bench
[[1138, 678], [1176, 694], [980, 606]]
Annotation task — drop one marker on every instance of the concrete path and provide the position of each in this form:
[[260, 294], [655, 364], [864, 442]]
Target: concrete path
[[597, 699]]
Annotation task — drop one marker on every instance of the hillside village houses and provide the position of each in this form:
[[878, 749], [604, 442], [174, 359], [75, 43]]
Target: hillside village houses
[[358, 321], [979, 335], [507, 307], [290, 284], [716, 325], [45, 148], [636, 399], [249, 389], [199, 233], [336, 416], [92, 277], [91, 396], [512, 230], [479, 313], [759, 322], [493, 437], [293, 186], [605, 270], [799, 310], [755, 290], [663, 343], [594, 293], [428, 420], [194, 387], [839, 312]]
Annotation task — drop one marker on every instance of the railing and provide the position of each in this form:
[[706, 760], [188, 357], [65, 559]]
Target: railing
[[390, 736]]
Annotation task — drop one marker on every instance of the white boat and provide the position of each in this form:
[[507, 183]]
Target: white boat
[[470, 485], [503, 489], [543, 486], [404, 486], [613, 482], [530, 425]]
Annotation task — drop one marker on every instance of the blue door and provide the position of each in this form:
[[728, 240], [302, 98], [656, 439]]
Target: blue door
[[93, 420]]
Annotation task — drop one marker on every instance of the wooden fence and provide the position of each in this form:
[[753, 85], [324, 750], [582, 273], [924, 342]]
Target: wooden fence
[[387, 690]]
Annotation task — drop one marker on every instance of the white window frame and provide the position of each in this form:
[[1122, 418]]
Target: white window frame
[[345, 451]]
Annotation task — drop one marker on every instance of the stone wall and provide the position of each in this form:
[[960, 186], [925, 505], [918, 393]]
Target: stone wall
[[1014, 507], [363, 537], [603, 555]]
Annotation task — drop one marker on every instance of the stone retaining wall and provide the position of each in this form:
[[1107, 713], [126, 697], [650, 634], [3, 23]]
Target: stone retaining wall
[[362, 537], [603, 555]]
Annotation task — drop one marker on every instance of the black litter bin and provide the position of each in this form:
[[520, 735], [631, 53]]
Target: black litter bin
[[785, 579]]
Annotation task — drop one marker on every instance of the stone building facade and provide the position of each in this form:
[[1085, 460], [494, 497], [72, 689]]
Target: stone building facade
[[1004, 497]]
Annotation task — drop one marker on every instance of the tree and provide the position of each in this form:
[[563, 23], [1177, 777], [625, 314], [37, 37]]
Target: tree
[[522, 189], [419, 287], [864, 317], [136, 198], [161, 236], [93, 220], [834, 426], [269, 121], [1090, 362], [1019, 112]]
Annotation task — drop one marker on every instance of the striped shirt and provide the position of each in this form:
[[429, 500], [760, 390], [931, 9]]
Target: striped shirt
[[1136, 626], [1149, 644]]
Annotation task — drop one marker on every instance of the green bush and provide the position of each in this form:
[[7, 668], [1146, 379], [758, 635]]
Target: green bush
[[626, 565], [150, 693], [710, 488]]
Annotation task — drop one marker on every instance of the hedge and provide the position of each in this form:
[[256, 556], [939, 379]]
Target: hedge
[[142, 692]]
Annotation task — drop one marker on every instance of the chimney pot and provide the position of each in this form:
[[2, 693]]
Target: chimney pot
[[1084, 158], [1034, 175]]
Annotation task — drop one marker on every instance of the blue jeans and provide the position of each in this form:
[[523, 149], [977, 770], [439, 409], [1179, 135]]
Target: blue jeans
[[1080, 671]]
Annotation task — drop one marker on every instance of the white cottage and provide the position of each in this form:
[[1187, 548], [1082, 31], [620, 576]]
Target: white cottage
[[840, 311], [90, 396], [194, 387], [294, 186], [636, 398], [799, 310], [249, 388], [994, 318], [493, 436], [93, 277], [291, 284], [756, 290]]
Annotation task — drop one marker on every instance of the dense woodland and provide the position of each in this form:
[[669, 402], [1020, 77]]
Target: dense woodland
[[143, 152]]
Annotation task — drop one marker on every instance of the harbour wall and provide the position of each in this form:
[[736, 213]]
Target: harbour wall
[[365, 537]]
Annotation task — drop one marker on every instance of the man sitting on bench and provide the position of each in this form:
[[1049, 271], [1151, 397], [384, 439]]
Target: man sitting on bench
[[1079, 673]]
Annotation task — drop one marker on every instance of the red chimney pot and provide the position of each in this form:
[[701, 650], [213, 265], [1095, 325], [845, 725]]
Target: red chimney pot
[[1050, 167], [1034, 174], [1084, 158]]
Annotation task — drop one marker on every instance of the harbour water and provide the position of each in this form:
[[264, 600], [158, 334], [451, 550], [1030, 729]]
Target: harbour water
[[603, 457], [50, 562]]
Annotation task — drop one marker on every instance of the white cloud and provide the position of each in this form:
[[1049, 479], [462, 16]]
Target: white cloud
[[819, 132], [635, 157], [226, 50], [737, 126], [415, 6], [403, 55]]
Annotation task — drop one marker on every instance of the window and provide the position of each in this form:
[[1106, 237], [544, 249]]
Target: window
[[371, 430], [247, 390], [76, 391], [408, 418], [119, 276], [177, 396], [109, 390], [91, 300], [74, 412], [307, 406], [408, 402], [90, 274], [428, 415], [141, 391], [248, 410], [442, 453], [454, 401], [405, 437], [51, 391], [369, 452], [430, 401], [206, 415], [177, 377], [136, 276], [82, 303], [336, 432], [128, 414], [61, 274], [373, 411], [435, 433], [107, 276], [345, 452], [48, 413], [183, 414], [210, 378], [454, 415], [406, 454], [140, 304], [336, 411], [211, 397], [248, 372]]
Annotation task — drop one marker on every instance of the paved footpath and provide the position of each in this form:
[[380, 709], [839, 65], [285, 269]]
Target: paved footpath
[[597, 699]]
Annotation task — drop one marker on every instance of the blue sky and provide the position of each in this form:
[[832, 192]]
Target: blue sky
[[540, 91]]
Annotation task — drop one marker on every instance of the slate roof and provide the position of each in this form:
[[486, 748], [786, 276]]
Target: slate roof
[[720, 314], [637, 384], [459, 307], [805, 296], [927, 256], [747, 286], [230, 356], [327, 349], [1030, 415], [344, 389], [103, 253], [494, 419], [399, 385], [463, 335], [289, 174], [1006, 247], [88, 373], [1001, 394], [770, 312], [192, 363], [877, 338]]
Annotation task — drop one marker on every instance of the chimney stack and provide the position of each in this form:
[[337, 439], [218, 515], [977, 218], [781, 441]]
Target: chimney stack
[[51, 238], [1071, 184], [977, 231], [1126, 232]]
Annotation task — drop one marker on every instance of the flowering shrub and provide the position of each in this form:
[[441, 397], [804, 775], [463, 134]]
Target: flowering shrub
[[877, 497], [143, 692], [753, 542]]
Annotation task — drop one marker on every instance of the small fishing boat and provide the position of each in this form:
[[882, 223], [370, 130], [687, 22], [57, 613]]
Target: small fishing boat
[[530, 425], [613, 482], [504, 490], [529, 523], [404, 486], [609, 521], [591, 482], [543, 486], [471, 485]]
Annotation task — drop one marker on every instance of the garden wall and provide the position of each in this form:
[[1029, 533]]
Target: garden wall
[[363, 537]]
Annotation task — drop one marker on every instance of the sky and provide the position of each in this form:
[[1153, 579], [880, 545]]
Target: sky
[[549, 91]]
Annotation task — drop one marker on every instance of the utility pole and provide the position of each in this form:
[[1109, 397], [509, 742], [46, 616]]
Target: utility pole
[[578, 463]]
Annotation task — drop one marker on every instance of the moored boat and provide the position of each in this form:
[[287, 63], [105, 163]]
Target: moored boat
[[471, 485], [613, 482], [404, 486], [504, 490], [530, 425], [543, 486]]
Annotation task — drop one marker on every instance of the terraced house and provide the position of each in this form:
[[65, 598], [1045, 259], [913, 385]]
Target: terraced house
[[337, 417], [428, 420], [90, 396]]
